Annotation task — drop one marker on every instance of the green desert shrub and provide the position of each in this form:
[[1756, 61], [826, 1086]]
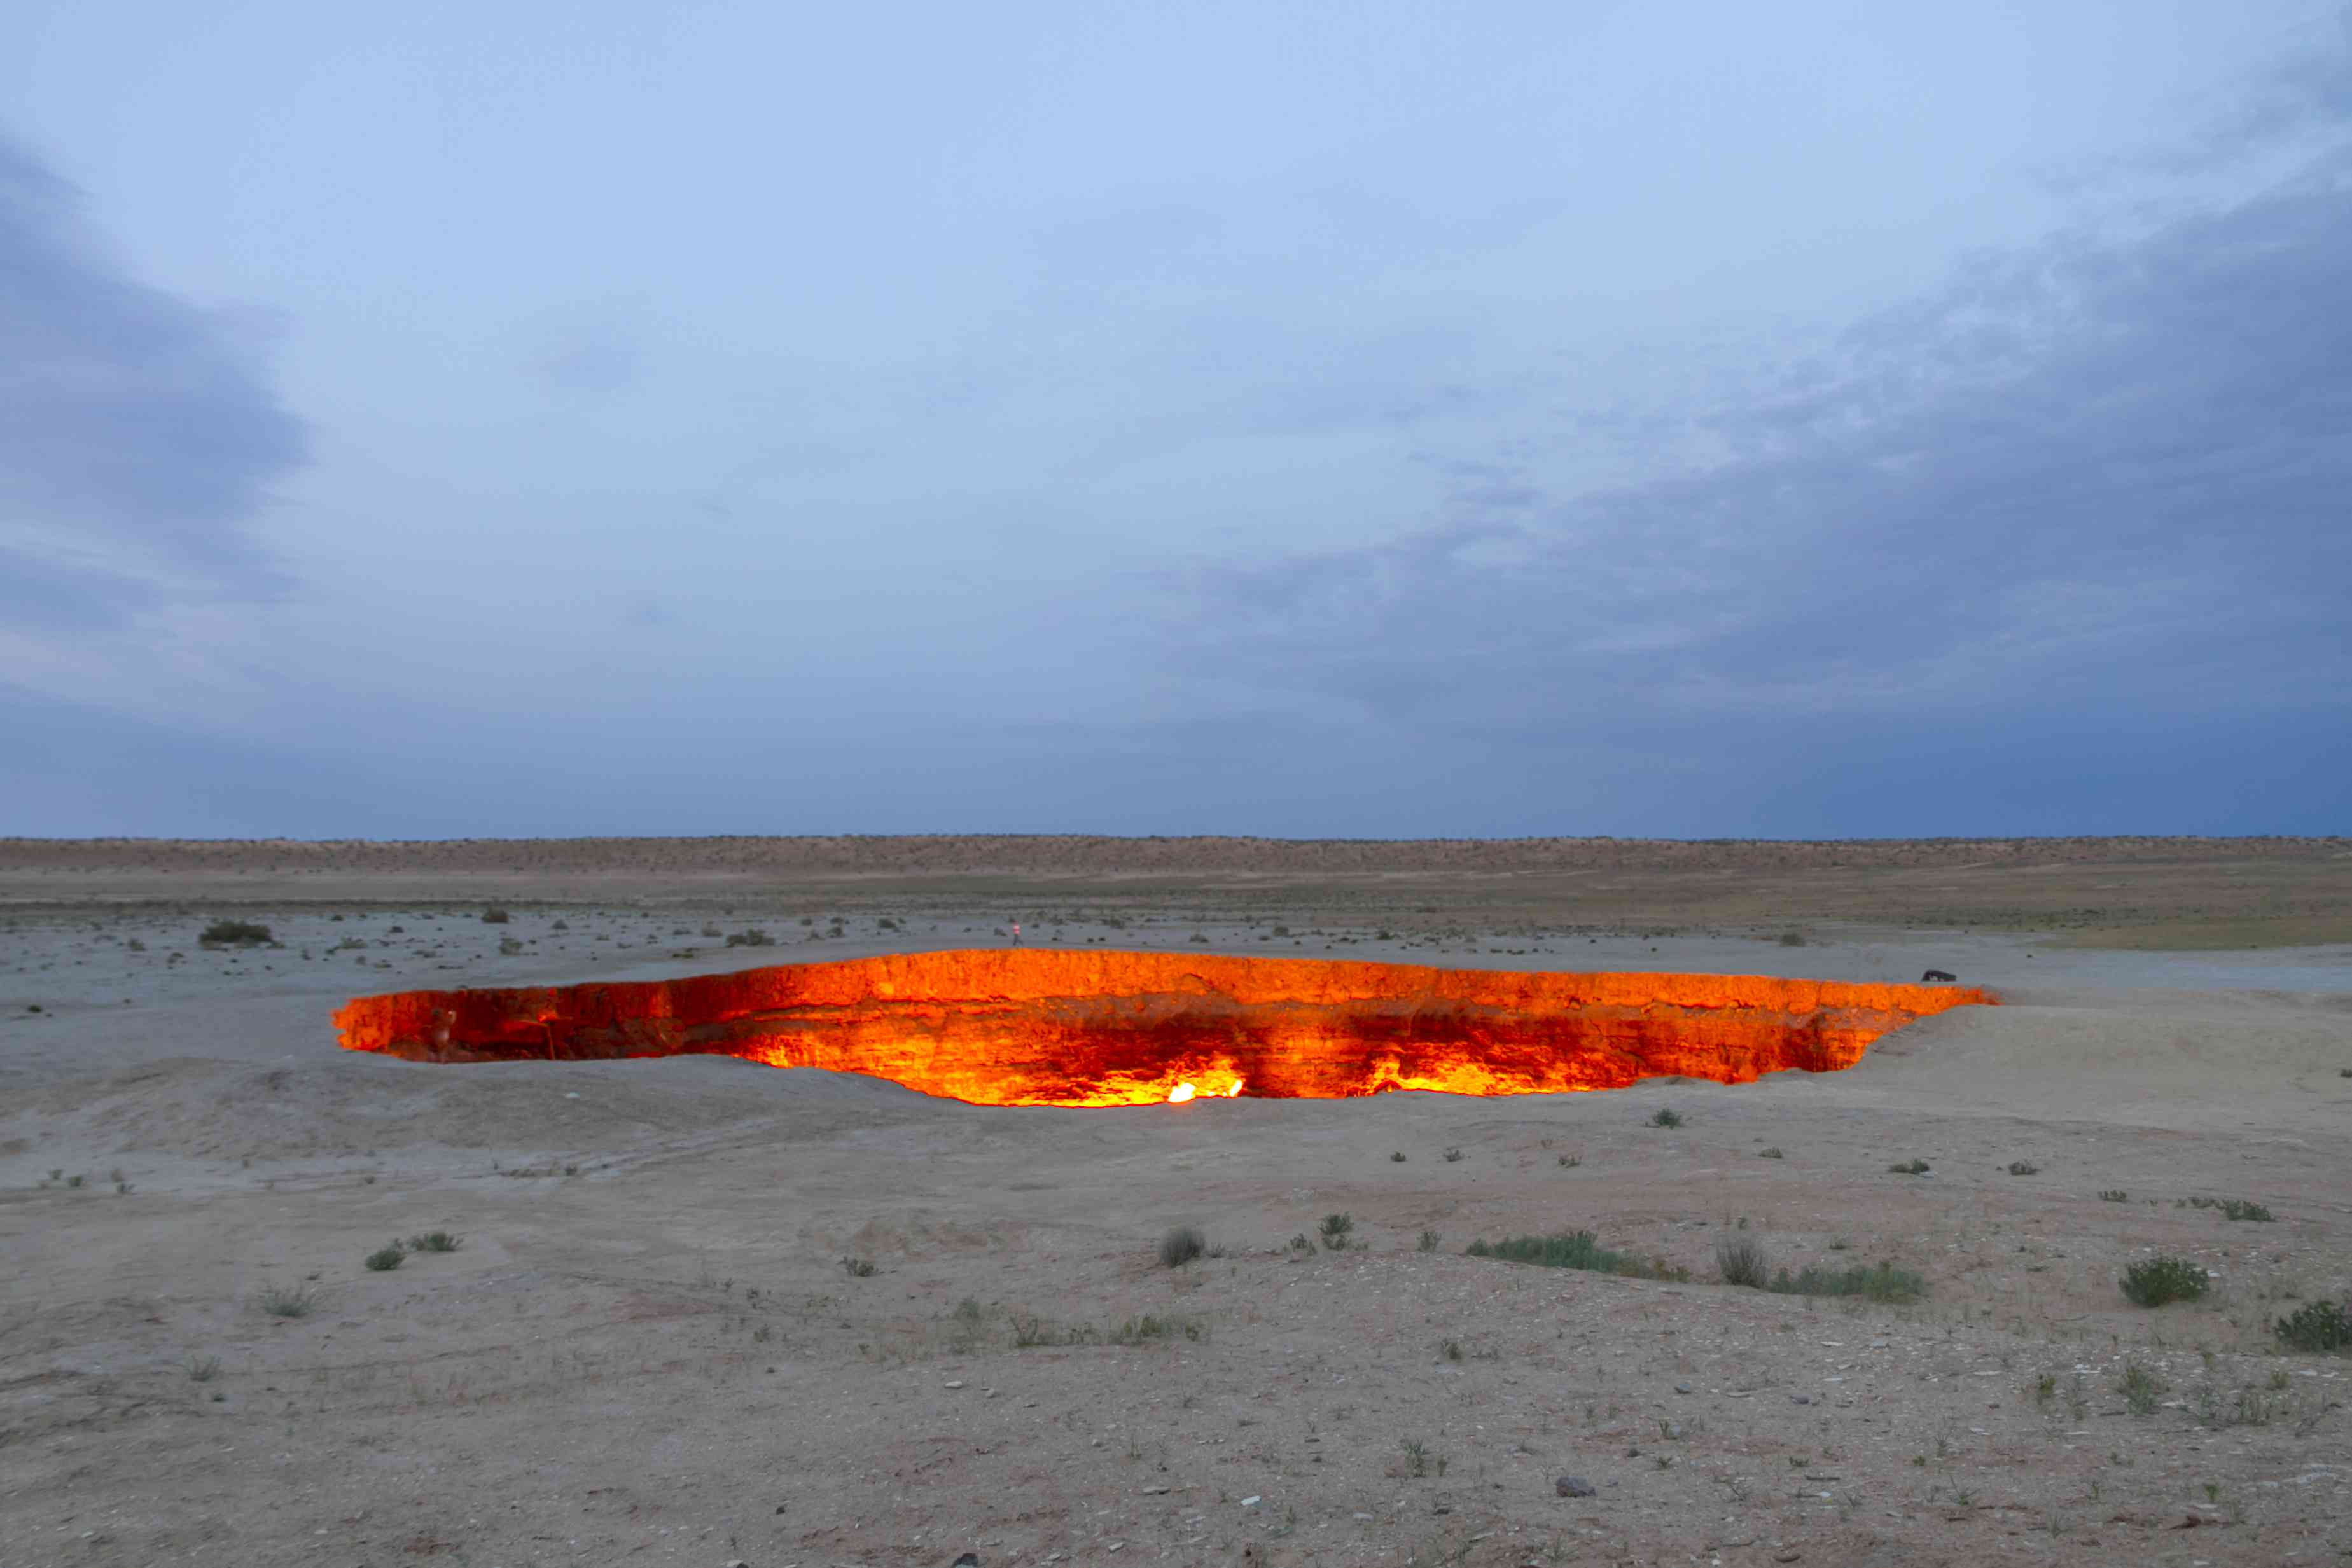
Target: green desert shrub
[[2154, 1282], [494, 916], [235, 933], [383, 1260], [1662, 1117], [2320, 1326], [436, 1241]]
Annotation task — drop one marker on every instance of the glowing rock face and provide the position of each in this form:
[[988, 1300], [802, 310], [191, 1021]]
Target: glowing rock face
[[1032, 1027]]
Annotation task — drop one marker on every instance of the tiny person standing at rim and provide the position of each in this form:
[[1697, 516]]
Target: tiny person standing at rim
[[1016, 933]]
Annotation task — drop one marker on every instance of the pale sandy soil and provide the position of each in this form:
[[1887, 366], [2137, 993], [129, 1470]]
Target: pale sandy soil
[[648, 1349]]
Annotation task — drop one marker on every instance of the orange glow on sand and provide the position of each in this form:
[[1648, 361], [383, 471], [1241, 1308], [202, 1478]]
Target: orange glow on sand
[[1036, 1026]]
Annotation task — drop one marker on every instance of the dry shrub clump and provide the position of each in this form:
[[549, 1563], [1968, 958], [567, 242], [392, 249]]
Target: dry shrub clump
[[1180, 1246]]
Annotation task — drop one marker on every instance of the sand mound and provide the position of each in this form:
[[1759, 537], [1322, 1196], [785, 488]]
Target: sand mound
[[214, 1109], [2153, 1058]]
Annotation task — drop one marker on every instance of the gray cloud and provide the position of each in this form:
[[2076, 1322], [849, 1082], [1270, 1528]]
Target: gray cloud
[[2099, 473], [137, 438]]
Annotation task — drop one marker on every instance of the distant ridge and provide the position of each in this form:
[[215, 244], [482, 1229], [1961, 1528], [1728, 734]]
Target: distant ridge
[[1075, 854]]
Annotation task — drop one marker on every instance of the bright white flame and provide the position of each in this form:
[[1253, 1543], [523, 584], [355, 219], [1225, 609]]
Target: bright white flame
[[1182, 1092]]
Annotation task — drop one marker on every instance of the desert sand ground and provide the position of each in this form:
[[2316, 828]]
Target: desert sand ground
[[647, 1348]]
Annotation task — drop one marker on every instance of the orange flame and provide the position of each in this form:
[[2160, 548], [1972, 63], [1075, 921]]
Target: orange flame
[[1037, 1027], [1183, 1091]]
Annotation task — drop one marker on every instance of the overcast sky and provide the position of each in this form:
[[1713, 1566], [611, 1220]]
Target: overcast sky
[[1313, 420]]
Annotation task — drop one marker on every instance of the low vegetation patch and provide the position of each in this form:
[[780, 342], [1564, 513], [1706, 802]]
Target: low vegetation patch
[[235, 933], [494, 916], [1909, 1167], [2231, 1208], [1575, 1249], [1152, 1327], [384, 1260], [1031, 1331], [2114, 1195], [288, 1302], [436, 1241], [2156, 1282], [1881, 1283], [1662, 1117], [858, 1268], [1770, 1155], [2141, 1389], [1336, 1229], [2023, 1167]]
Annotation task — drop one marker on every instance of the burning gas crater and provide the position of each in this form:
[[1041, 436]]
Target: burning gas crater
[[1037, 1027]]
